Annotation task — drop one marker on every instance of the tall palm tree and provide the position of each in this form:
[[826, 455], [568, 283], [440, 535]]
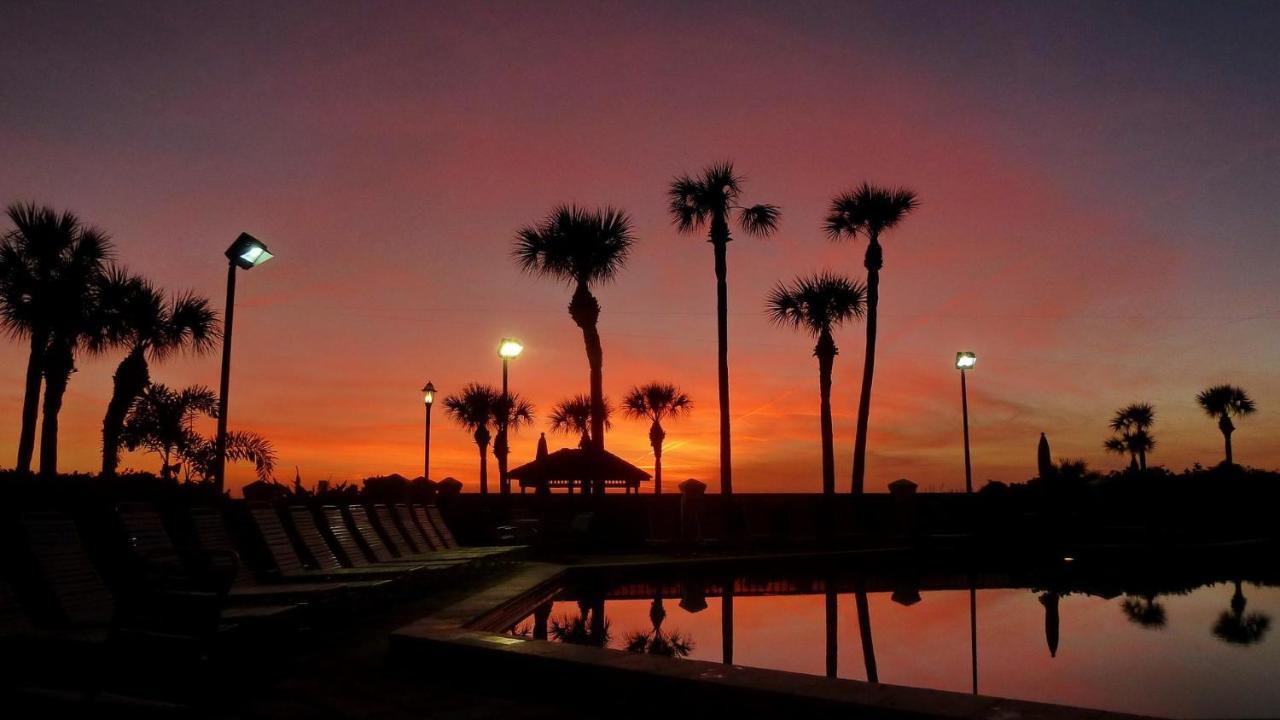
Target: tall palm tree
[[150, 328], [868, 211], [572, 416], [472, 408], [517, 413], [656, 402], [1225, 402], [47, 265], [711, 199], [817, 305], [583, 248], [1133, 424]]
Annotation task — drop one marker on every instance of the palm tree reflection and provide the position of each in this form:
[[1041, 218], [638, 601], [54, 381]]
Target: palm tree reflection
[[1050, 602], [656, 642], [1143, 610], [864, 630], [1237, 628], [590, 627]]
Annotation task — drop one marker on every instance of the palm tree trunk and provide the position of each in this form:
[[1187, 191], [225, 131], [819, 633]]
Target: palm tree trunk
[[130, 380], [826, 354], [500, 454], [656, 436], [874, 260], [1142, 459], [585, 311], [864, 629], [832, 635], [59, 363], [720, 244], [31, 399], [483, 444], [1227, 427]]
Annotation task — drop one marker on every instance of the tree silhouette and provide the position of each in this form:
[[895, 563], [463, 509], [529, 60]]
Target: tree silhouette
[[472, 408], [152, 329], [1224, 402], [656, 402], [710, 199], [572, 416], [1143, 610], [518, 413], [49, 265], [583, 248], [868, 211], [1132, 425], [818, 304], [162, 421], [657, 642], [1235, 627]]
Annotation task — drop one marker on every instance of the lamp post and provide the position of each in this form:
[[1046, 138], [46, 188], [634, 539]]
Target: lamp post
[[428, 398], [246, 253], [508, 348], [964, 362]]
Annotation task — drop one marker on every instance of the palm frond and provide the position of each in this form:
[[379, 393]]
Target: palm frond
[[817, 303], [573, 244], [868, 210]]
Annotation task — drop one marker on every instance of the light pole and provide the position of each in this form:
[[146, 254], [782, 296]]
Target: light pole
[[246, 253], [508, 348], [428, 397], [964, 362]]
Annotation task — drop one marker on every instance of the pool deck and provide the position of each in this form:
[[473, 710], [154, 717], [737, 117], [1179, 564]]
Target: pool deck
[[467, 638]]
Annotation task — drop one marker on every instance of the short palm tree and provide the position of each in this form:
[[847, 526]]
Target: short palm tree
[[1132, 424], [150, 328], [656, 402], [868, 211], [162, 421], [583, 248], [818, 304], [711, 199], [472, 408], [1225, 402], [47, 265], [518, 413], [572, 416]]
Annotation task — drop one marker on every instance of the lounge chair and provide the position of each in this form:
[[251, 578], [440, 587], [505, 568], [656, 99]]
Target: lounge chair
[[433, 527], [218, 565], [396, 526], [289, 564], [309, 531]]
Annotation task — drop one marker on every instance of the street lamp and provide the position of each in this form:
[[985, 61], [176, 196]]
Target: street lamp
[[428, 397], [246, 253], [964, 362], [508, 348]]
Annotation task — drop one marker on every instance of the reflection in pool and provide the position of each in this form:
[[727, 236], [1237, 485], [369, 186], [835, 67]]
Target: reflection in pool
[[1202, 649]]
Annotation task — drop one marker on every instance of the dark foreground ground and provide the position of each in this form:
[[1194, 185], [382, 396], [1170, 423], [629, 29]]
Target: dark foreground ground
[[339, 673]]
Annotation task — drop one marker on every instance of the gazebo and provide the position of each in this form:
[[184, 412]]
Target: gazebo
[[569, 466]]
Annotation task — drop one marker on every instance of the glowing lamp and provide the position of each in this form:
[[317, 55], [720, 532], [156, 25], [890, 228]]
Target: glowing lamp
[[428, 393], [509, 348], [966, 360], [248, 252]]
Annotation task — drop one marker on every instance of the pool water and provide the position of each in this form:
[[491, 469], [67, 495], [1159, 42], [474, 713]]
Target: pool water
[[1205, 652]]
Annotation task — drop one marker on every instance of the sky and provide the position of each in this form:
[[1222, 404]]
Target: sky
[[1097, 220]]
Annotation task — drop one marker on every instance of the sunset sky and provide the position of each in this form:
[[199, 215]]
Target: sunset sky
[[1099, 214]]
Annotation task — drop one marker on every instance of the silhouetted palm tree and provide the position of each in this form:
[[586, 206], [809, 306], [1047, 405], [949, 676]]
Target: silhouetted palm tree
[[48, 265], [162, 421], [656, 401], [868, 211], [572, 416], [1225, 402], [656, 642], [709, 200], [1143, 610], [1133, 426], [151, 329], [1234, 627], [472, 408], [518, 413], [817, 305], [583, 248]]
